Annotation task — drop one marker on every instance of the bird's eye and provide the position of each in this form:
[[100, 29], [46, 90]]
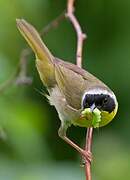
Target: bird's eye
[[105, 101]]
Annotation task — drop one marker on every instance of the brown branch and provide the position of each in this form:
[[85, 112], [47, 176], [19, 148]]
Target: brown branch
[[80, 35], [20, 77], [80, 38], [53, 24], [88, 148]]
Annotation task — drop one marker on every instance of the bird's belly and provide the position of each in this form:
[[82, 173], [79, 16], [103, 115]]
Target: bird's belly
[[65, 112]]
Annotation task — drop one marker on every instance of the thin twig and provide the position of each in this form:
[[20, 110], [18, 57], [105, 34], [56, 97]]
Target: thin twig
[[53, 24], [20, 77], [80, 38], [88, 147], [80, 35]]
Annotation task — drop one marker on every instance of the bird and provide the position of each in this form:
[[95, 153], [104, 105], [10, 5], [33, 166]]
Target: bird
[[76, 94]]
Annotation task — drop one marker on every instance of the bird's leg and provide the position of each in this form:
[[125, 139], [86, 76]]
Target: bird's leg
[[62, 133]]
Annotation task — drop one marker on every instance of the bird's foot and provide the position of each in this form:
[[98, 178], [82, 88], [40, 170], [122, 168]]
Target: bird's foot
[[87, 156]]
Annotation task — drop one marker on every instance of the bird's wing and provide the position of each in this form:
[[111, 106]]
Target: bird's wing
[[85, 74], [73, 82]]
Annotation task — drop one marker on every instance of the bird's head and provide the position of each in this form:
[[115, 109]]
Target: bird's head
[[101, 101]]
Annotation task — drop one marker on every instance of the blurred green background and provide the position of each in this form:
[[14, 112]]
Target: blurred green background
[[32, 148]]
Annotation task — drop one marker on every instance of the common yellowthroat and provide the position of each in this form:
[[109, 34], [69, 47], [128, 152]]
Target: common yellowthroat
[[76, 94]]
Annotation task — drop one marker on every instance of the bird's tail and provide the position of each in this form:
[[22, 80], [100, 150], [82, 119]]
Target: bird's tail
[[45, 60]]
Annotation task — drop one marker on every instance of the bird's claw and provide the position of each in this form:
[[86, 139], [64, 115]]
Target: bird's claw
[[87, 156]]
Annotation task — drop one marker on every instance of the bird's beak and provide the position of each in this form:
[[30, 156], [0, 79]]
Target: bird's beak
[[92, 107], [88, 112]]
